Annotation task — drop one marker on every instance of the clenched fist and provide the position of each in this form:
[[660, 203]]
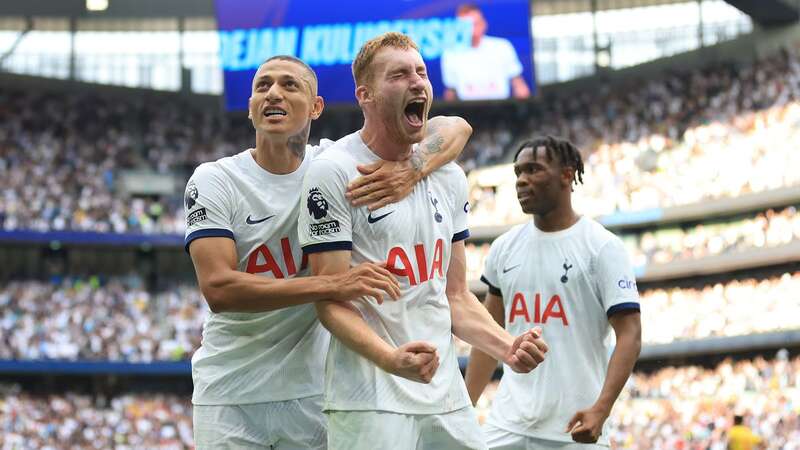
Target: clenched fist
[[527, 351]]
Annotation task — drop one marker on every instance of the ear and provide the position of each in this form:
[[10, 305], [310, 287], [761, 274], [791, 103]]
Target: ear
[[317, 107], [363, 94], [567, 176], [249, 110]]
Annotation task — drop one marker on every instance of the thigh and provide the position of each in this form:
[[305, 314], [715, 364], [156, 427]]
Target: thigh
[[457, 430], [500, 439], [300, 424], [229, 427], [371, 430]]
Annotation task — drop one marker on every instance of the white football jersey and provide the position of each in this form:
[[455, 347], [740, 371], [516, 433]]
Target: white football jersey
[[254, 357], [414, 236], [567, 282], [483, 72]]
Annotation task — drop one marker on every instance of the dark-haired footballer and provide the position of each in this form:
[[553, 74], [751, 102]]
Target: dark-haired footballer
[[570, 276], [258, 374]]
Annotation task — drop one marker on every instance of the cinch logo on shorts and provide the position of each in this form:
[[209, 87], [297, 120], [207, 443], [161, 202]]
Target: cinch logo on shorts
[[196, 216], [320, 229]]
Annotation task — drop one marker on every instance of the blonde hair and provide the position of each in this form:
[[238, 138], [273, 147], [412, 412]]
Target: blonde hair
[[362, 72]]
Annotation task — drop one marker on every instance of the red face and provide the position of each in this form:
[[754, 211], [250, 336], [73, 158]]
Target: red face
[[283, 98], [401, 93]]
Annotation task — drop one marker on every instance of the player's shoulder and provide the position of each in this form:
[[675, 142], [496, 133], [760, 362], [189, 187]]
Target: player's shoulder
[[316, 150], [498, 42], [512, 237], [597, 235], [339, 154], [450, 171], [219, 169]]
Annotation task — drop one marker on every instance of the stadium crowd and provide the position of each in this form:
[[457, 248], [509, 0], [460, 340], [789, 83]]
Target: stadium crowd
[[61, 155], [683, 408], [690, 407], [664, 245], [118, 320], [89, 320], [72, 421]]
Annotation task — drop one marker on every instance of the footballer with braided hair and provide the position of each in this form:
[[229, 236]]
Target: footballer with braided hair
[[570, 276]]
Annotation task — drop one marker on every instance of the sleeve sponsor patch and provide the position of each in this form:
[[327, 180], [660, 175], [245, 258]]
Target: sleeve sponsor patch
[[323, 228], [196, 216]]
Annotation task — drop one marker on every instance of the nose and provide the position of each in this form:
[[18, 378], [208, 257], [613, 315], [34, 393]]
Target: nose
[[522, 181], [274, 94], [417, 83]]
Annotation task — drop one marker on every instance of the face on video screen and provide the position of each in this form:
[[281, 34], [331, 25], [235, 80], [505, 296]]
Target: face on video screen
[[473, 51]]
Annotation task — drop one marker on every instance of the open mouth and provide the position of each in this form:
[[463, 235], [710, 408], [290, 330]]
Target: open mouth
[[273, 112], [415, 111]]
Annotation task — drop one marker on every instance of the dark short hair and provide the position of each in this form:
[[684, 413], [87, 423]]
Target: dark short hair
[[298, 61], [566, 152], [738, 419]]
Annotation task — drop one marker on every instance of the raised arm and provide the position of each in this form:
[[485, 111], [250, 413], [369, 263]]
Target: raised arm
[[228, 290], [481, 366], [385, 182], [416, 360], [473, 324]]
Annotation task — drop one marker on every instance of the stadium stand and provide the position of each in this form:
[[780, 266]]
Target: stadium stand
[[694, 168]]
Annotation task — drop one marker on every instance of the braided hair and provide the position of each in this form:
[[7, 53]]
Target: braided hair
[[566, 152]]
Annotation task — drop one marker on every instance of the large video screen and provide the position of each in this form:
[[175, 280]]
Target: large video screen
[[474, 50]]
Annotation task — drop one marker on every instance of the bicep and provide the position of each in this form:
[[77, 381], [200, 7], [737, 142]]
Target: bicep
[[457, 270], [212, 256], [626, 322], [328, 263]]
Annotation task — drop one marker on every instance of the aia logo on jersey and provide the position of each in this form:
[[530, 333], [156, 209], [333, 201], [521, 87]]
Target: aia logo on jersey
[[261, 260], [400, 264], [521, 309], [317, 205], [190, 197]]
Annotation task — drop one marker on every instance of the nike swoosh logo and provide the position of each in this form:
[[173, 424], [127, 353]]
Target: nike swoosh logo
[[511, 268], [253, 222], [371, 219]]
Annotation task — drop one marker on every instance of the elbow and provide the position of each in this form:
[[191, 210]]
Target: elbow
[[215, 294]]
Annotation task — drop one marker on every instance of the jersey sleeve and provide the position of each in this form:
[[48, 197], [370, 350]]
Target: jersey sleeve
[[490, 274], [513, 66], [325, 222], [461, 205], [208, 206], [617, 283]]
